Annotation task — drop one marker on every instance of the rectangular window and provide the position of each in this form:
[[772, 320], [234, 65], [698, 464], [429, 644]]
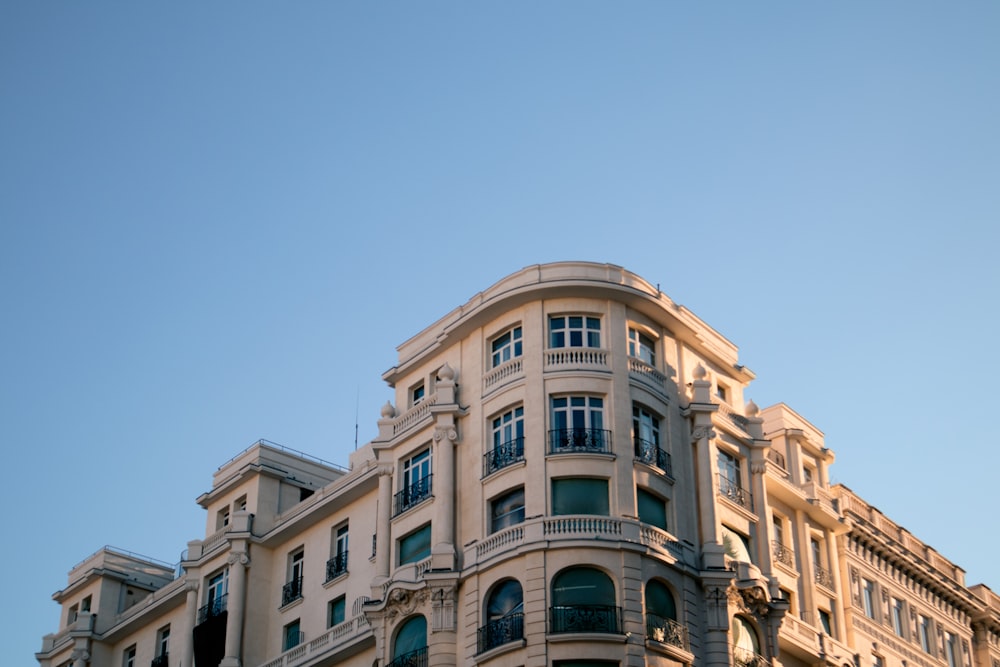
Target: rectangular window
[[951, 649], [337, 565], [826, 621], [163, 641], [241, 504], [651, 509], [924, 628], [580, 495], [416, 546], [416, 394], [218, 586], [508, 441], [731, 480], [335, 612], [506, 347], [222, 520], [868, 597], [416, 481], [722, 392], [574, 331], [641, 347], [128, 658], [578, 425], [507, 510], [292, 635], [898, 617], [292, 590]]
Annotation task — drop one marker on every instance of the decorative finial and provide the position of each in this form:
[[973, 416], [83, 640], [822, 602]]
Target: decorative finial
[[388, 412], [699, 372], [752, 408], [446, 372]]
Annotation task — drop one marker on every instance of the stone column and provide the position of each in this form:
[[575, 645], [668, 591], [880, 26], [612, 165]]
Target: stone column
[[713, 555], [186, 635], [383, 533], [239, 561], [443, 525]]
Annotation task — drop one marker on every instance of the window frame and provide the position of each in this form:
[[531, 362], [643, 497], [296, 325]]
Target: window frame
[[419, 555], [585, 334], [502, 351], [639, 342], [560, 500], [516, 514], [339, 602]]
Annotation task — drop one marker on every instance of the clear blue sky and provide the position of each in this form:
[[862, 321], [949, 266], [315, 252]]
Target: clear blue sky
[[218, 219]]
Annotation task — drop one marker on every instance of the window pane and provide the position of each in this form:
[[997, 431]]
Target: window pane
[[416, 546], [411, 637], [660, 601], [506, 599], [652, 509], [507, 510], [582, 586], [580, 496]]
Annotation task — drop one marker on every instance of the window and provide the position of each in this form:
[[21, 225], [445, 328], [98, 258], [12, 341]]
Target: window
[[506, 347], [877, 660], [583, 600], [416, 481], [507, 510], [410, 642], [128, 658], [296, 566], [821, 575], [335, 611], [222, 519], [574, 331], [416, 546], [241, 504], [746, 645], [646, 437], [651, 509], [731, 480], [951, 649], [641, 346], [73, 614], [163, 641], [736, 545], [218, 587], [416, 394], [337, 565], [924, 629], [898, 616], [661, 616], [580, 495], [292, 635], [504, 616], [722, 392], [85, 605], [826, 621], [578, 425], [508, 441], [868, 597]]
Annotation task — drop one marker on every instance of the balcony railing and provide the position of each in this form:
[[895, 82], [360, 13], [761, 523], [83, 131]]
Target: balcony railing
[[503, 455], [650, 453], [499, 632], [293, 638], [666, 631], [336, 566], [730, 489], [783, 554], [823, 577], [212, 609], [574, 440], [777, 458], [585, 618], [160, 661], [416, 658], [744, 657], [411, 495], [291, 591]]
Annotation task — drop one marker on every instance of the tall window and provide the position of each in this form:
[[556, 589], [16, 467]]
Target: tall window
[[415, 546], [128, 657], [416, 394], [661, 616], [580, 495], [868, 596], [583, 600], [218, 586], [826, 621], [574, 331], [898, 616], [410, 642], [292, 590], [163, 641], [416, 481], [337, 565], [646, 437], [507, 510], [951, 649], [292, 635], [924, 628], [504, 616], [578, 424], [651, 509], [641, 346], [506, 347], [335, 611], [508, 441], [731, 480]]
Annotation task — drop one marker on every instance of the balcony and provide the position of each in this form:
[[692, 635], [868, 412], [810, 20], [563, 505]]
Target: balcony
[[783, 554], [336, 566], [499, 632], [416, 658], [823, 577], [212, 609], [412, 495], [160, 660], [291, 591], [744, 657], [579, 440], [502, 456], [650, 453], [666, 631], [728, 488], [585, 618]]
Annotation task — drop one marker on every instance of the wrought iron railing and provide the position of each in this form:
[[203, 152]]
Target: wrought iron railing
[[651, 454], [500, 631], [411, 495], [783, 554], [503, 455], [744, 657], [416, 658], [570, 440], [730, 489], [585, 618], [336, 566], [291, 591], [161, 660], [777, 458], [823, 577], [213, 608], [666, 631]]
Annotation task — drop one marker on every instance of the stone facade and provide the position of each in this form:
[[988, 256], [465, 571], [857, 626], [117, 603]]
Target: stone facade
[[568, 475]]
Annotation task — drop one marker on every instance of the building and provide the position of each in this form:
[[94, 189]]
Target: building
[[568, 476]]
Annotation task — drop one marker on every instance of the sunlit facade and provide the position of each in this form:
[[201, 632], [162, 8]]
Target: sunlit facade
[[568, 475]]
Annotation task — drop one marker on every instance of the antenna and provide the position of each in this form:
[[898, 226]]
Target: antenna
[[357, 400]]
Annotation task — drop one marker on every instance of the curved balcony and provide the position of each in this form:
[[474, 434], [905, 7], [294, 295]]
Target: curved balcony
[[666, 631], [744, 657], [585, 618], [499, 632], [502, 456], [416, 658], [579, 440]]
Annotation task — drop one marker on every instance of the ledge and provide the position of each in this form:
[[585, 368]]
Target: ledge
[[486, 656]]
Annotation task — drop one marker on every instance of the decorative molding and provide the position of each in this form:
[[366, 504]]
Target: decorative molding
[[402, 602], [703, 432], [445, 432], [241, 557]]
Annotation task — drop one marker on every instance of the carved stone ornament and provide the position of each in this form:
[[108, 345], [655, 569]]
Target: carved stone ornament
[[758, 467], [755, 601], [449, 432], [80, 654], [241, 557], [191, 585], [402, 602], [703, 432], [385, 469]]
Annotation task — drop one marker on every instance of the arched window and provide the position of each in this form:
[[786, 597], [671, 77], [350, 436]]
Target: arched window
[[746, 645], [661, 616], [504, 616], [410, 647], [583, 600]]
